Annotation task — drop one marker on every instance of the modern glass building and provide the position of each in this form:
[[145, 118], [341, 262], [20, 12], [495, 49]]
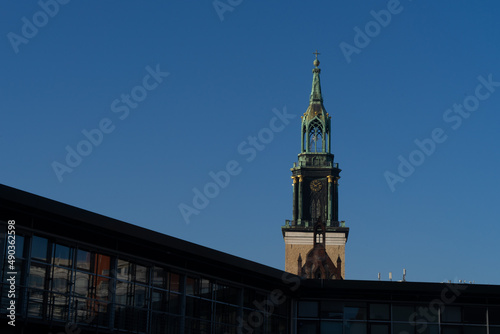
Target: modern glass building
[[74, 271]]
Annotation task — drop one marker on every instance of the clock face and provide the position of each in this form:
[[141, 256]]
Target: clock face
[[316, 185]]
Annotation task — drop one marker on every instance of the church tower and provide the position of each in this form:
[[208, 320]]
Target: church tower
[[314, 238]]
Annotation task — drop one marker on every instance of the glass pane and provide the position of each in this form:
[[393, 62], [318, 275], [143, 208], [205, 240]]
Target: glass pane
[[58, 306], [355, 312], [159, 322], [494, 315], [174, 303], [159, 300], [62, 256], [39, 248], [35, 309], [495, 330], [332, 310], [223, 313], [123, 290], [121, 317], [103, 263], [141, 274], [160, 277], [140, 320], [307, 327], [102, 288], [192, 307], [474, 329], [452, 314], [123, 271], [83, 284], [228, 294], [308, 309], [37, 276], [354, 328], [60, 280], [101, 316], [402, 312], [328, 327], [192, 286], [475, 315], [36, 295], [379, 329], [379, 311], [205, 288], [175, 282], [83, 309], [83, 259], [428, 329], [406, 328], [248, 298], [140, 296], [451, 330]]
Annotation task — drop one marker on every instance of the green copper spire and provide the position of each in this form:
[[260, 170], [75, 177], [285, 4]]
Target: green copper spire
[[316, 121]]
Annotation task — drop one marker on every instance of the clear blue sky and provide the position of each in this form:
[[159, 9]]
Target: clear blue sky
[[225, 78]]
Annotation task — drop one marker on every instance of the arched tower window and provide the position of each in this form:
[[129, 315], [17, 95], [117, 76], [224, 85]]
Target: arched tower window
[[316, 133]]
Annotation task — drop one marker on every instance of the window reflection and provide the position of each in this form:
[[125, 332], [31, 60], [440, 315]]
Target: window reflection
[[141, 274], [191, 286], [60, 280], [103, 263], [354, 328], [39, 248], [227, 294], [123, 293], [102, 288], [140, 296], [174, 303], [123, 271], [83, 260], [83, 284], [355, 312], [59, 308], [62, 256], [37, 276], [160, 277], [159, 300], [175, 284], [35, 308]]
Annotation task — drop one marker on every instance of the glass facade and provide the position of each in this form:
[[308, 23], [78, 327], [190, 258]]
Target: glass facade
[[354, 317], [66, 283]]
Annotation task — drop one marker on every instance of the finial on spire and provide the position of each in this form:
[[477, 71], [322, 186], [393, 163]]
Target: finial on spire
[[316, 61]]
